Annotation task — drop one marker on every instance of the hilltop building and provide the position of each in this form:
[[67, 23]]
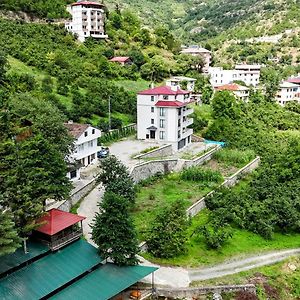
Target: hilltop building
[[288, 91], [85, 147], [88, 19], [195, 50], [249, 74], [241, 92], [122, 60], [163, 114]]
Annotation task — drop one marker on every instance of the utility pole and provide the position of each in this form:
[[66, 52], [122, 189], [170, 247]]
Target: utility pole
[[109, 113]]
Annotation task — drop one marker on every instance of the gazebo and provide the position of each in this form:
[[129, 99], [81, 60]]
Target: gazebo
[[59, 228]]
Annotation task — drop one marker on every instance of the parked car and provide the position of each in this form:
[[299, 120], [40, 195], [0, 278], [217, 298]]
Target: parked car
[[104, 152]]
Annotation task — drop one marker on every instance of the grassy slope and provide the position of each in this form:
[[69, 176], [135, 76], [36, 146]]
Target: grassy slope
[[242, 244]]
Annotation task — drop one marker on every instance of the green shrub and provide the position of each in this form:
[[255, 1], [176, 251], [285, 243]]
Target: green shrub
[[234, 157], [200, 174], [149, 149]]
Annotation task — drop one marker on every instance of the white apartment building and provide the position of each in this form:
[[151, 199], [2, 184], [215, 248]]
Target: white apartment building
[[241, 92], [250, 74], [288, 91], [195, 50], [87, 20], [85, 146], [163, 115]]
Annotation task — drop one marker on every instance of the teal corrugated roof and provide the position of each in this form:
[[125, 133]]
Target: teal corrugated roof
[[50, 272], [104, 283], [19, 257]]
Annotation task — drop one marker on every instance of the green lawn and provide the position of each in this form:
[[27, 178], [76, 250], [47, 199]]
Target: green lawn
[[242, 244], [164, 191], [282, 277], [134, 86]]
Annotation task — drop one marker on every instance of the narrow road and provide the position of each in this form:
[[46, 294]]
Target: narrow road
[[88, 208]]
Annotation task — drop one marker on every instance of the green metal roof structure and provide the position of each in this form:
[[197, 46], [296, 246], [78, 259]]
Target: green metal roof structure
[[104, 283], [49, 273], [19, 257]]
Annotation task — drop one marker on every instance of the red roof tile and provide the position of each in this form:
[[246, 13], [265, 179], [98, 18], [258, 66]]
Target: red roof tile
[[76, 129], [171, 103], [120, 59], [229, 87], [57, 220], [86, 3], [163, 90], [294, 80]]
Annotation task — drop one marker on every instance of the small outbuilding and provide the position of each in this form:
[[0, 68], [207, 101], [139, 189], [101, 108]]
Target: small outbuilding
[[122, 60]]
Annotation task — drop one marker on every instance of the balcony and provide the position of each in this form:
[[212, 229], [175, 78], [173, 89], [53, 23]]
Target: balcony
[[99, 35], [188, 111], [188, 122], [187, 132]]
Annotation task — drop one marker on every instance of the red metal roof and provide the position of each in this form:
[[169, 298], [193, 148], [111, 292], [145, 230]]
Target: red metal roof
[[169, 103], [120, 59], [294, 80], [57, 220], [76, 129], [163, 90], [229, 87], [86, 3]]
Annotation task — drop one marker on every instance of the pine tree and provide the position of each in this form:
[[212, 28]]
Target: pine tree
[[9, 240], [113, 231]]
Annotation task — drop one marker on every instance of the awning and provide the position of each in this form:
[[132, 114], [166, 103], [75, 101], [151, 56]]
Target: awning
[[152, 128], [104, 283]]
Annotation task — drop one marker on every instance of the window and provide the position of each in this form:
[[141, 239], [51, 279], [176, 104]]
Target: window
[[152, 121], [166, 97], [80, 147], [93, 131], [178, 134], [162, 111], [152, 109], [179, 111], [73, 174], [85, 133], [162, 123], [162, 135], [91, 143], [179, 122], [152, 98]]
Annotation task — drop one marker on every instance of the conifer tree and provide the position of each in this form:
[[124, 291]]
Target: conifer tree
[[9, 239], [113, 231]]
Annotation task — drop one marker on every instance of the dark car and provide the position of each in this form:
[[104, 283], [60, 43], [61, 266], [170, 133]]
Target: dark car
[[104, 152]]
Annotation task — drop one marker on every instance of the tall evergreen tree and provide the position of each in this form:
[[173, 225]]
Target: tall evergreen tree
[[113, 231], [9, 239]]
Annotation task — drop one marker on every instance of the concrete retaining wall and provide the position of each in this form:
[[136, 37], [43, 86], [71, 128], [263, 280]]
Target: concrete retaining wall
[[193, 293], [230, 181], [151, 168], [165, 150]]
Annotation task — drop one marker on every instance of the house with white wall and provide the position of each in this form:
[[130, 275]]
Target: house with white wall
[[287, 92], [88, 19], [85, 147], [250, 74], [163, 115], [241, 92], [195, 50]]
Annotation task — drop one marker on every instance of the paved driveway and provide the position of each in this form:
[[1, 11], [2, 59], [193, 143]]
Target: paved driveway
[[127, 149]]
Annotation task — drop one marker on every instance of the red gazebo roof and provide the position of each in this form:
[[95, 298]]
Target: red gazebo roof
[[57, 220]]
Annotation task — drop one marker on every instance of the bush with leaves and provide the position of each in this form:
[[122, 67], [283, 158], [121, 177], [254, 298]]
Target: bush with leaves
[[166, 237], [113, 231], [198, 174]]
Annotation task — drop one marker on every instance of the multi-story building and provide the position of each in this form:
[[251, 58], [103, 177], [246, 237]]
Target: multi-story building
[[249, 74], [195, 50], [85, 147], [87, 20], [241, 92], [163, 114], [288, 91]]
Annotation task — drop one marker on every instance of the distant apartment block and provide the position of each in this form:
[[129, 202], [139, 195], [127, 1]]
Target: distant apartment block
[[241, 92], [288, 91], [198, 51], [88, 20], [163, 114], [85, 147], [249, 74]]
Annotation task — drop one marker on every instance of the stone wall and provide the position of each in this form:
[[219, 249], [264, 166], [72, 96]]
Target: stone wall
[[165, 150], [230, 181], [193, 293], [151, 168]]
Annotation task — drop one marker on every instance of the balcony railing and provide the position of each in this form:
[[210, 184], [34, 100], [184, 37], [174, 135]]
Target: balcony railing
[[188, 111]]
